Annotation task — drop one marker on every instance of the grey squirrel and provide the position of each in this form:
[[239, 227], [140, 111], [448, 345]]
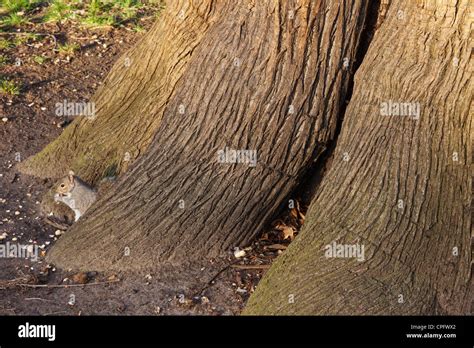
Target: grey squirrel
[[75, 193]]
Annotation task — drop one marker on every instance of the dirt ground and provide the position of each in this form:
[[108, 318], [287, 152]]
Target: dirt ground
[[27, 124]]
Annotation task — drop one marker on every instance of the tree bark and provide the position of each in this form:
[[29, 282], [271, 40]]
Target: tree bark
[[404, 190], [131, 102], [268, 76]]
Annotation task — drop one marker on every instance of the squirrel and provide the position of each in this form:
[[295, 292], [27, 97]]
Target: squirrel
[[75, 193]]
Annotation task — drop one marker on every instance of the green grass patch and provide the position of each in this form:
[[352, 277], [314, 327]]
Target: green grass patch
[[9, 87], [68, 49], [5, 44], [18, 13], [14, 20], [58, 10], [40, 59], [3, 60], [24, 38], [14, 6]]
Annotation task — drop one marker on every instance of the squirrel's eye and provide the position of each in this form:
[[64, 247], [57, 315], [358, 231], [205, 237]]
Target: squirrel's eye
[[62, 185]]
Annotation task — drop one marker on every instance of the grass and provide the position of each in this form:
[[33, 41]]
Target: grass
[[6, 44], [40, 59], [9, 87], [95, 20], [14, 20], [138, 28], [68, 49], [26, 37], [58, 11], [3, 60], [19, 5], [15, 13], [85, 12]]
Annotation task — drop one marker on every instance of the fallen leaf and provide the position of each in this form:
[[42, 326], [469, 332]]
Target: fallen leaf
[[112, 278], [294, 213], [80, 278], [288, 233], [264, 236]]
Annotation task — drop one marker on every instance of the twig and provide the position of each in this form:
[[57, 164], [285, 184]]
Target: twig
[[209, 283], [256, 267], [65, 285], [55, 313], [37, 298], [275, 247]]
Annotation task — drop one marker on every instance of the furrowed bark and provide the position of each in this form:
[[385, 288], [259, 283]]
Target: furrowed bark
[[269, 77], [131, 102], [404, 190]]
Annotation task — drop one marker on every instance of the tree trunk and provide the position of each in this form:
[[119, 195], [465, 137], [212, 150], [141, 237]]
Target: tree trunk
[[399, 186], [269, 77], [131, 102]]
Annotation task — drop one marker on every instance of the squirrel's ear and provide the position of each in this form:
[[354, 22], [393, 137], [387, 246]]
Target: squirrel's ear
[[71, 176]]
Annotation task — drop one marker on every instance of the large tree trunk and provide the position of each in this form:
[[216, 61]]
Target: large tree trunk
[[404, 190], [268, 76], [131, 102]]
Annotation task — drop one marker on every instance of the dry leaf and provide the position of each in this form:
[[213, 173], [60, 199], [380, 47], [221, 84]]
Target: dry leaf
[[288, 233], [278, 224], [80, 278], [264, 236], [294, 213]]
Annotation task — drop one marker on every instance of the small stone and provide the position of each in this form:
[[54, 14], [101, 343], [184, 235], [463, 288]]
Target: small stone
[[239, 253], [57, 232], [4, 119], [17, 212], [112, 278]]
